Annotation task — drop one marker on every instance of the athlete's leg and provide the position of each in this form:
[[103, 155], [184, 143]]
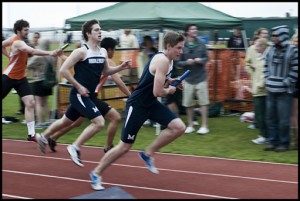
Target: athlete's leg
[[67, 128], [96, 125], [114, 118], [175, 127], [58, 125], [111, 156]]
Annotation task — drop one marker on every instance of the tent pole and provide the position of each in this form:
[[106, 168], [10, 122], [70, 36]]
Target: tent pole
[[245, 38]]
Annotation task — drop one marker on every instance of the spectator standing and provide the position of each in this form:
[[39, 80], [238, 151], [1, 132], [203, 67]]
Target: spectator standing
[[194, 58], [294, 121], [35, 39], [281, 73], [236, 40], [147, 51], [37, 67], [255, 60], [128, 40]]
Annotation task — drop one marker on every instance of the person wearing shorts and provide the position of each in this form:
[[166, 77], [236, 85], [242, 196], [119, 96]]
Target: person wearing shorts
[[89, 62], [142, 104], [106, 110], [194, 58], [14, 74]]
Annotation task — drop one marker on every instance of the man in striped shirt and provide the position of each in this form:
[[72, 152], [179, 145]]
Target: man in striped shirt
[[280, 73]]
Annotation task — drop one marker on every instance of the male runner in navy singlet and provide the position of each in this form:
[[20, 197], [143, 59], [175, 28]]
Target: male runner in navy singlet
[[89, 62], [143, 104]]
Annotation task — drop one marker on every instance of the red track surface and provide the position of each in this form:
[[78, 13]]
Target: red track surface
[[28, 174]]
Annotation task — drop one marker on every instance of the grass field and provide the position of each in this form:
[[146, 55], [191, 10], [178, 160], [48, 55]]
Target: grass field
[[228, 137]]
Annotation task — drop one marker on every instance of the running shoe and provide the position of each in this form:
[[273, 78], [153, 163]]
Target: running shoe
[[96, 181], [75, 155], [31, 138], [52, 144], [149, 162], [189, 130], [108, 148], [41, 143]]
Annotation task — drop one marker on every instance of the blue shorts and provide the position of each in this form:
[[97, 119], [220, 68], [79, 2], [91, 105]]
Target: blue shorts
[[81, 106], [136, 115]]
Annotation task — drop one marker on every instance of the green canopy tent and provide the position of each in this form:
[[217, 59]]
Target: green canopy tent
[[156, 15]]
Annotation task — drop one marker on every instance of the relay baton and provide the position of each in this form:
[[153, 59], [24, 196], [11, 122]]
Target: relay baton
[[64, 46], [182, 77]]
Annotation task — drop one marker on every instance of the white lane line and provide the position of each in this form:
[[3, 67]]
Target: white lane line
[[15, 196], [114, 184], [170, 170], [184, 155]]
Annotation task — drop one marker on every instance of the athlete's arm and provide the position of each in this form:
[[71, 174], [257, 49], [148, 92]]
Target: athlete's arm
[[22, 46], [76, 55], [116, 77], [111, 70], [122, 86], [5, 44], [159, 66]]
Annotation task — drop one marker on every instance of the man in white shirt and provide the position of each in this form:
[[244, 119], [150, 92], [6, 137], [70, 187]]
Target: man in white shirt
[[128, 40]]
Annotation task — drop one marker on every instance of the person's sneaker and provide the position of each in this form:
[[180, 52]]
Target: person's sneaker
[[195, 123], [147, 122], [251, 126], [4, 121], [75, 155], [260, 140], [189, 130], [270, 147], [149, 162], [52, 144], [96, 181], [31, 138], [203, 130], [41, 143], [281, 149], [108, 148]]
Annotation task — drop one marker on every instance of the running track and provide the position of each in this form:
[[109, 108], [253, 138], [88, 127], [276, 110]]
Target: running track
[[26, 173]]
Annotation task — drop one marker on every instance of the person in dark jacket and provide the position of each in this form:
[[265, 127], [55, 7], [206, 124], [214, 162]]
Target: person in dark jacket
[[236, 40], [281, 74]]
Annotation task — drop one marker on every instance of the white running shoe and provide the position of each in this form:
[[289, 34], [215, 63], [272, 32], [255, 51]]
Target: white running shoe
[[195, 123], [75, 155], [260, 140], [189, 130], [96, 181], [41, 142], [4, 121], [203, 130]]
